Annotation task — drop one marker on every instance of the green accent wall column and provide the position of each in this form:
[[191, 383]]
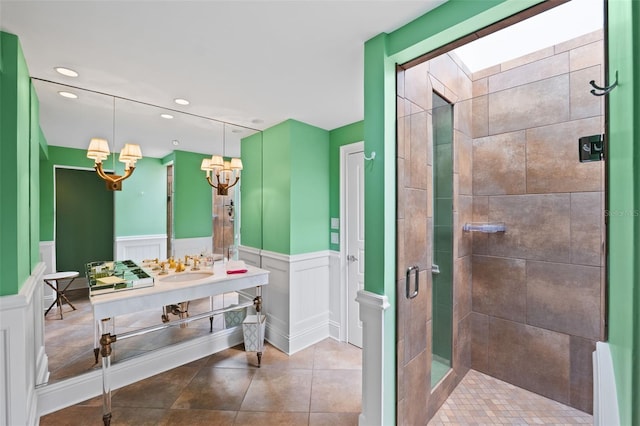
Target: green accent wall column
[[295, 188], [251, 191], [623, 212], [17, 237]]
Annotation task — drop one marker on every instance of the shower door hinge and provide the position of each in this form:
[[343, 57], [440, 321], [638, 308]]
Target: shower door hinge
[[591, 148]]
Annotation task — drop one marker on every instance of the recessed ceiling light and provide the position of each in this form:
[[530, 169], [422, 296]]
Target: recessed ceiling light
[[175, 142], [257, 121], [66, 71], [167, 116], [236, 131], [181, 101], [68, 95]]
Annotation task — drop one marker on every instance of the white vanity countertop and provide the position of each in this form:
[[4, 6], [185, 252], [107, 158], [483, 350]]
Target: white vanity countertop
[[171, 292]]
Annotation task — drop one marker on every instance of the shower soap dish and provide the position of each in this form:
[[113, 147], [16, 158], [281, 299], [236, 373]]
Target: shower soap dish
[[487, 228]]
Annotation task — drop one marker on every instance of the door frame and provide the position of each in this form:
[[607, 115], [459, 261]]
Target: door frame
[[345, 150], [54, 260]]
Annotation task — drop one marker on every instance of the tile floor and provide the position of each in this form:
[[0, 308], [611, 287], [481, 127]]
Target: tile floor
[[482, 400], [320, 385]]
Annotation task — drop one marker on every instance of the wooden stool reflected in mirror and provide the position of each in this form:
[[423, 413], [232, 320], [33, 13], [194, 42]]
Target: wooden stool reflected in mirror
[[56, 282]]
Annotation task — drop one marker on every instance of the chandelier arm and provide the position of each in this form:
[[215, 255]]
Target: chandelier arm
[[127, 173], [101, 173], [211, 182], [234, 183]]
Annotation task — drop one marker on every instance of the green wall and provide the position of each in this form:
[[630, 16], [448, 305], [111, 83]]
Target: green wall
[[19, 140], [251, 191], [295, 188], [344, 135], [192, 202], [624, 205], [140, 208]]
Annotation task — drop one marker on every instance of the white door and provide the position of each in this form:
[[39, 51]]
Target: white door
[[354, 250]]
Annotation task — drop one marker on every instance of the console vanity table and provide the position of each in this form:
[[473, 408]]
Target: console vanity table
[[174, 287]]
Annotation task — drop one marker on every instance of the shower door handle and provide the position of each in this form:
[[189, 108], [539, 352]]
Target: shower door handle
[[407, 281]]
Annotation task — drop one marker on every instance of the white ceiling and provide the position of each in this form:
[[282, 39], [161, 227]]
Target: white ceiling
[[251, 63]]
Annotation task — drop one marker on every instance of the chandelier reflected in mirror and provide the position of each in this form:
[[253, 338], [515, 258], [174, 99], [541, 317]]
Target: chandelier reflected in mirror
[[225, 172], [99, 151]]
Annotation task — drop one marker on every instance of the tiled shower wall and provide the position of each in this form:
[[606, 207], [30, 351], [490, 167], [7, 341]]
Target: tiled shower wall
[[538, 288], [445, 75]]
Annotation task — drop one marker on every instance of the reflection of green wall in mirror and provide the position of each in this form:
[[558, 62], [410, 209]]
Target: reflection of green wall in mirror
[[139, 207], [251, 191], [192, 202], [295, 188], [338, 137]]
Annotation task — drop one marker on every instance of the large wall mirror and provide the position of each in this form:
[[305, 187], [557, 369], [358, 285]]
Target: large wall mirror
[[68, 124]]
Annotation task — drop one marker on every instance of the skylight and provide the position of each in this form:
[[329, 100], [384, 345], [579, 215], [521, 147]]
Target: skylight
[[562, 23]]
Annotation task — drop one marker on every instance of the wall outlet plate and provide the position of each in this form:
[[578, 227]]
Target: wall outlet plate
[[335, 238], [335, 223]]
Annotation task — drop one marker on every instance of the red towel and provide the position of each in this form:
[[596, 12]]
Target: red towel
[[237, 271]]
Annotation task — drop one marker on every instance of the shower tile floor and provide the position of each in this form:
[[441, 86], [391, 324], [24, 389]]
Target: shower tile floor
[[483, 400], [327, 376]]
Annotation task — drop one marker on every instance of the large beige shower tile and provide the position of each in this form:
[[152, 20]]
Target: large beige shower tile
[[418, 155], [587, 55], [538, 66], [587, 223], [416, 87], [416, 231], [498, 164], [581, 391], [564, 298], [537, 227], [552, 158], [535, 104], [583, 103], [499, 287], [480, 118], [530, 357]]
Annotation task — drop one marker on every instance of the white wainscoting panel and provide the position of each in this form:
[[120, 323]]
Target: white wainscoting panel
[[24, 361], [191, 246], [250, 255], [48, 257], [337, 292], [297, 299], [140, 247]]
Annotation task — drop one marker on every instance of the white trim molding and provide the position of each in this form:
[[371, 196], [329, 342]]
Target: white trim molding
[[372, 314], [296, 301], [190, 246], [140, 247], [24, 361], [605, 399]]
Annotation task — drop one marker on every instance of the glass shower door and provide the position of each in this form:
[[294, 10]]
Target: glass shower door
[[442, 266]]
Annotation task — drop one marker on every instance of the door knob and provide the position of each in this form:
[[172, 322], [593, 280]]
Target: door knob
[[351, 258]]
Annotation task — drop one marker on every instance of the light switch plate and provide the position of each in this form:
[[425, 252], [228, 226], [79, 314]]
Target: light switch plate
[[335, 238], [335, 223]]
